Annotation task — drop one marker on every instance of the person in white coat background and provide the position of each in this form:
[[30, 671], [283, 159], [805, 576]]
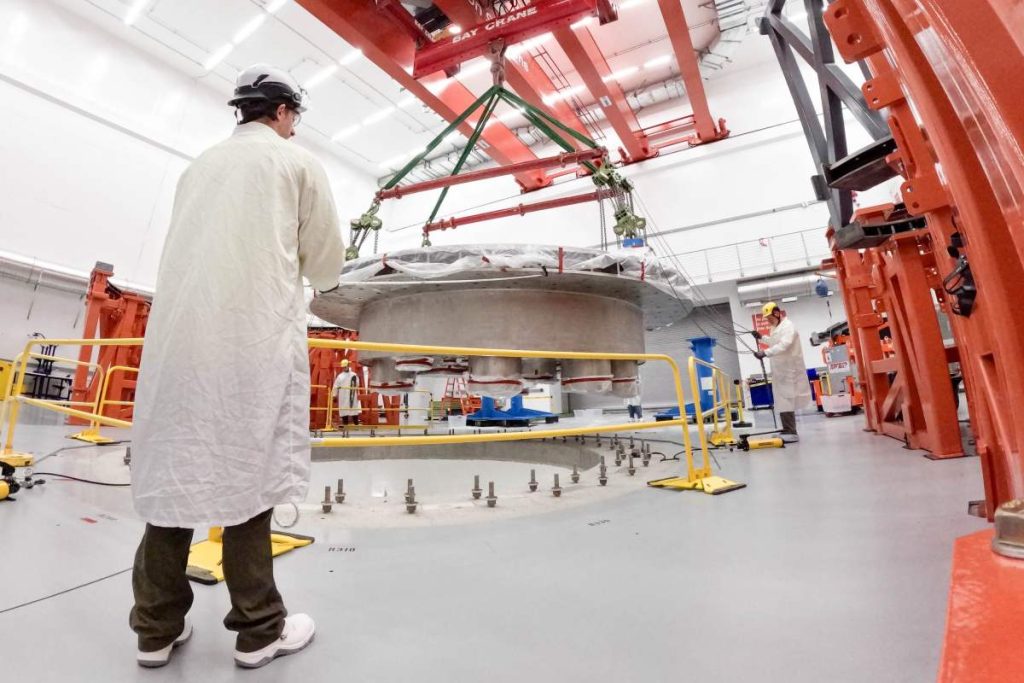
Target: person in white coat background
[[790, 388], [346, 386], [220, 431]]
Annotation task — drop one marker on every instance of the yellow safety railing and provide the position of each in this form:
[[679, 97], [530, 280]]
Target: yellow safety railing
[[92, 433], [697, 476], [721, 405]]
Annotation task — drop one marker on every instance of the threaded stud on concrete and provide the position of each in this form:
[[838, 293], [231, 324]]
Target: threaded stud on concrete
[[476, 487], [339, 495], [326, 504], [556, 489], [492, 499], [533, 480]]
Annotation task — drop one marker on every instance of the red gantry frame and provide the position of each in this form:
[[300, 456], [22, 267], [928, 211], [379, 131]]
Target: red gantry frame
[[420, 64]]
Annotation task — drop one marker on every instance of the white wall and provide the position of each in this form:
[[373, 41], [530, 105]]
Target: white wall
[[96, 134]]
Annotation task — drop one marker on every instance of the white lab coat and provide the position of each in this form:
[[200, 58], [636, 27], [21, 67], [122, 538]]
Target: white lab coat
[[345, 385], [221, 427], [789, 374]]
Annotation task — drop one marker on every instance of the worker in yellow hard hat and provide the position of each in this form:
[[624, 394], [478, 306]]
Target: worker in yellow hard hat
[[790, 388], [346, 386]]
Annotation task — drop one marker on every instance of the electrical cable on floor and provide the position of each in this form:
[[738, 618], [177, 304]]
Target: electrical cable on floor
[[66, 590], [75, 448], [84, 481]]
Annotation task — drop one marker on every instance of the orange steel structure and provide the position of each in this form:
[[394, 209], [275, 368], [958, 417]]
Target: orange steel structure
[[908, 394], [948, 76], [110, 312], [324, 367]]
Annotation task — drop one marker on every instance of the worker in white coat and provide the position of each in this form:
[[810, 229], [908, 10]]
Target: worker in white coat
[[346, 387], [221, 419], [790, 388]]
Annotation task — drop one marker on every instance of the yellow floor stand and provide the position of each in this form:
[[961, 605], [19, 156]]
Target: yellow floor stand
[[205, 559], [91, 436], [710, 485], [15, 459]]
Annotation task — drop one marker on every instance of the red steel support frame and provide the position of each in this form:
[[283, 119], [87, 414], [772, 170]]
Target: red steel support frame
[[518, 210], [363, 26], [400, 191], [529, 80], [110, 313], [689, 69], [582, 50], [964, 82]]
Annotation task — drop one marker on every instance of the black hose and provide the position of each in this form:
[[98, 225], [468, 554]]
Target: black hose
[[84, 481]]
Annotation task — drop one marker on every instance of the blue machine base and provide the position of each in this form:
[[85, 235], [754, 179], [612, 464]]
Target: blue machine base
[[673, 413], [515, 416]]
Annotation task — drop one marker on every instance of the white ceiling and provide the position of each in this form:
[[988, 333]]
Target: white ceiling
[[185, 33]]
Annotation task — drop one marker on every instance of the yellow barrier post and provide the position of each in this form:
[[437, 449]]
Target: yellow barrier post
[[92, 433], [720, 403]]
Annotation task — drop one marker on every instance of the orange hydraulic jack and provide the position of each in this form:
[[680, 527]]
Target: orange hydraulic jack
[[110, 312]]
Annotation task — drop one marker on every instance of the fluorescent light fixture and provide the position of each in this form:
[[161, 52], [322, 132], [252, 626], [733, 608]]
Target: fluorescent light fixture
[[630, 4], [218, 56], [438, 86], [346, 132], [249, 28], [454, 29], [407, 101], [581, 23], [753, 304], [776, 284], [274, 5], [528, 45], [620, 73], [350, 57], [320, 76], [657, 61], [135, 11], [395, 160], [18, 26], [378, 116], [788, 299], [562, 94]]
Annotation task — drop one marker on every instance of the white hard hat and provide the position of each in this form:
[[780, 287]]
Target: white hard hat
[[265, 82]]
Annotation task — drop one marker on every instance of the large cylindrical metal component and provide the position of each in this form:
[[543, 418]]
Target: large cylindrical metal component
[[495, 377], [586, 376], [539, 370], [505, 318], [625, 378], [386, 380]]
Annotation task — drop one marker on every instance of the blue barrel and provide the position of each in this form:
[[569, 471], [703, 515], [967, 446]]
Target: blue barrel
[[703, 349]]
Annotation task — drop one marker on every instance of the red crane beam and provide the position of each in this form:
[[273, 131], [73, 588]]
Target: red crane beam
[[582, 50], [689, 69], [363, 26], [518, 210], [529, 81], [483, 174]]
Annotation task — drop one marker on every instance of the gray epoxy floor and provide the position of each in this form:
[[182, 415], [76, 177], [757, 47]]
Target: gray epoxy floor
[[832, 565]]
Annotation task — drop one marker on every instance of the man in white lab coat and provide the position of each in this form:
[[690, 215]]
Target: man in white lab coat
[[346, 387], [221, 421], [790, 388]]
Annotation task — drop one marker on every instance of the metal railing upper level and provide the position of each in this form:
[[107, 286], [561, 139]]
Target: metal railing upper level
[[750, 258]]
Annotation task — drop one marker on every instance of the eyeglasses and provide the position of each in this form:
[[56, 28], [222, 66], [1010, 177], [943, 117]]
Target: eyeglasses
[[296, 117]]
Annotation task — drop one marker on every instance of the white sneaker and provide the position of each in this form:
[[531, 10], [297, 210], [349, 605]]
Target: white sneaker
[[789, 438], [298, 633], [152, 660]]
